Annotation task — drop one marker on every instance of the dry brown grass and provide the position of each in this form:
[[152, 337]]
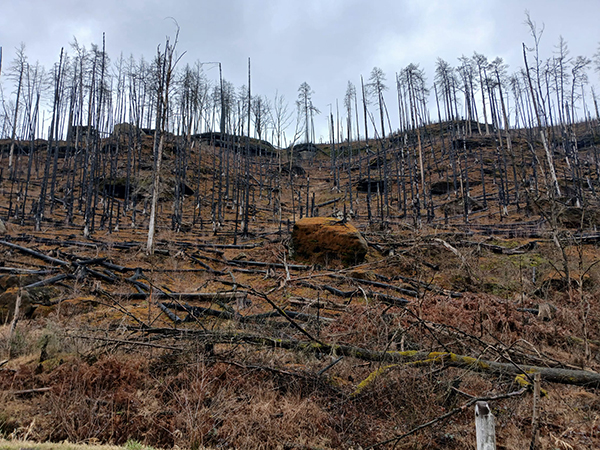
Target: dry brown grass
[[30, 445]]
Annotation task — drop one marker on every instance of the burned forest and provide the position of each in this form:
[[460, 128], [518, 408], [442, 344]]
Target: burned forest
[[184, 263]]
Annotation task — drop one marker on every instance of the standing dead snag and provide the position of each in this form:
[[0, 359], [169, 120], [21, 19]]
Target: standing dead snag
[[549, 157], [165, 66], [13, 324]]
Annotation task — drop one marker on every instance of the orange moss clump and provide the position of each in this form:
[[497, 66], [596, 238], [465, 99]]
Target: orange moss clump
[[322, 238]]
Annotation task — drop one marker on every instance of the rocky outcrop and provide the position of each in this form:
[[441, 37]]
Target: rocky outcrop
[[323, 239]]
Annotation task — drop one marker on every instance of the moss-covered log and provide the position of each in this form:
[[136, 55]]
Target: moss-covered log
[[420, 358]]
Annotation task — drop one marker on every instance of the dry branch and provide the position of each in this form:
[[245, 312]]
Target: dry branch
[[30, 391]]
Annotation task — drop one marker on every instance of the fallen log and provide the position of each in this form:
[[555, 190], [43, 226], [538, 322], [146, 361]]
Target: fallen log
[[416, 358], [116, 267], [331, 289], [141, 287], [170, 314], [48, 281], [125, 245], [99, 275], [195, 312], [238, 246], [88, 262], [126, 342], [384, 298], [292, 314], [19, 271], [329, 202], [35, 254], [212, 250], [49, 241], [335, 291], [205, 266], [426, 286], [252, 271], [30, 391], [186, 296], [404, 291], [198, 311], [303, 302], [207, 258], [499, 249], [269, 264], [388, 299]]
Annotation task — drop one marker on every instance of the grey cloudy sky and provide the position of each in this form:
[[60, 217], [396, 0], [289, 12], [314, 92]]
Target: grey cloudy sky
[[323, 42]]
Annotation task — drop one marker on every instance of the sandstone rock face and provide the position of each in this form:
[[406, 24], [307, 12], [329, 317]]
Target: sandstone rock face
[[322, 239]]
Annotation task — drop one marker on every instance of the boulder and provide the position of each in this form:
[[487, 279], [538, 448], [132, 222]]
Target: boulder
[[321, 239]]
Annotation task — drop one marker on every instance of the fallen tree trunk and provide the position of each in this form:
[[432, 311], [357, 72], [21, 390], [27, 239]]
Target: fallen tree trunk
[[170, 314], [228, 246], [402, 290], [426, 286], [35, 254], [331, 289], [19, 271], [268, 264], [388, 299], [499, 249], [186, 296], [197, 311], [384, 298], [415, 358], [329, 202], [48, 281], [30, 391]]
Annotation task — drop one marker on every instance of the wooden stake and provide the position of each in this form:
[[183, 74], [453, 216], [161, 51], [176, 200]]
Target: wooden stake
[[535, 419], [485, 427]]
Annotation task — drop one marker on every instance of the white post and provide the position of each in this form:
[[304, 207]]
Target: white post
[[485, 427], [535, 420]]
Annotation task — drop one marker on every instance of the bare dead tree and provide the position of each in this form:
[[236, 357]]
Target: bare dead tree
[[165, 65], [542, 129], [17, 73]]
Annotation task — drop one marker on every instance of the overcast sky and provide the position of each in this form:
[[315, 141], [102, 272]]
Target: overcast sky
[[323, 42]]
